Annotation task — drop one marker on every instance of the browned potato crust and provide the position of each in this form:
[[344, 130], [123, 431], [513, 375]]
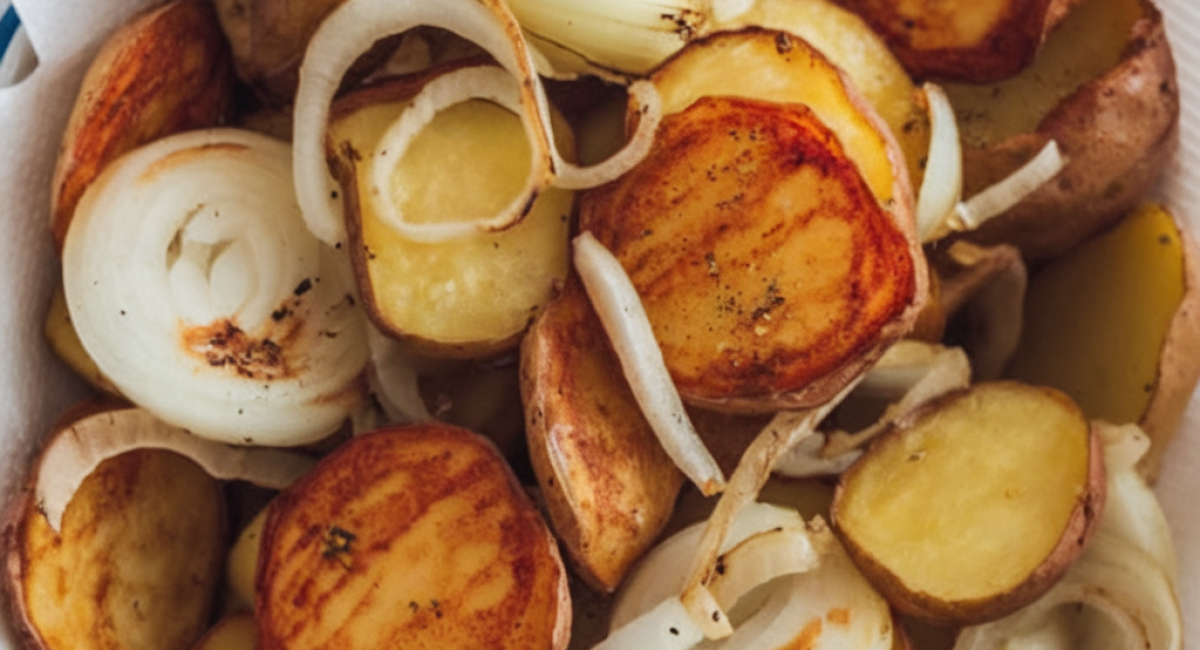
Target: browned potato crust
[[414, 536], [136, 565], [976, 504], [766, 266], [607, 483], [165, 72], [968, 40], [1116, 132]]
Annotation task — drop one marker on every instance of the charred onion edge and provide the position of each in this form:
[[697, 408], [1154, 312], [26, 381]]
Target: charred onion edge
[[356, 24], [624, 319], [76, 452]]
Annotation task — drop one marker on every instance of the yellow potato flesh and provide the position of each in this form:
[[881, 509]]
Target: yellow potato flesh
[[1088, 43], [470, 161], [784, 73], [969, 502], [1096, 320], [853, 46]]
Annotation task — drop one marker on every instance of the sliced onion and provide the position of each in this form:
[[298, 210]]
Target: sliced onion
[[624, 319], [1012, 189], [809, 460], [786, 430], [941, 187], [910, 374], [1120, 593], [356, 24], [75, 453], [394, 381], [195, 286]]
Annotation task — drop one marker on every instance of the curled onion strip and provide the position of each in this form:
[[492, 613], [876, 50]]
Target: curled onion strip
[[624, 319], [941, 188], [1012, 189], [394, 380], [76, 452], [356, 24], [784, 431], [194, 285]]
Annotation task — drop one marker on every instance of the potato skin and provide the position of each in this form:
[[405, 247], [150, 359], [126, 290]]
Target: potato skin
[[1116, 132], [1083, 522], [165, 72]]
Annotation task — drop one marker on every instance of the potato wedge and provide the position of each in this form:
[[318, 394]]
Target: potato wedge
[[607, 483], [968, 40], [467, 297], [165, 72], [1115, 324], [137, 563], [768, 265], [976, 504], [417, 536], [60, 334], [1104, 89]]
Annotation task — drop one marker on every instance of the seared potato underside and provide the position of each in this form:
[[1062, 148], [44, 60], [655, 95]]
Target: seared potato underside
[[764, 261], [415, 537], [137, 562]]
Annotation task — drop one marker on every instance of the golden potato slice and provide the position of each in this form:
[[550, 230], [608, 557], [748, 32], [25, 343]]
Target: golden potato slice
[[607, 483], [977, 504], [417, 536], [969, 40], [769, 268], [164, 72], [1103, 88], [1116, 325], [137, 563], [466, 297]]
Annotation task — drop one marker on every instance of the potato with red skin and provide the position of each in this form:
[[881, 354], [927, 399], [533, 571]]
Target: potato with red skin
[[165, 72], [976, 504]]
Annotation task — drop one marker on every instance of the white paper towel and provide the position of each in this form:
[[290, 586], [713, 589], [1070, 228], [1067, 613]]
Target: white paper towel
[[35, 388]]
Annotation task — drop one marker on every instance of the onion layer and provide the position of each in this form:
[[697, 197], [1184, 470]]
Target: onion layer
[[74, 453], [356, 24], [195, 286]]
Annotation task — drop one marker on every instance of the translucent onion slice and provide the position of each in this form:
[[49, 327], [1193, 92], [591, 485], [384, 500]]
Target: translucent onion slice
[[941, 188], [759, 559], [909, 374], [74, 453], [783, 432], [1121, 592], [394, 381], [624, 319], [356, 24], [195, 286], [1009, 191]]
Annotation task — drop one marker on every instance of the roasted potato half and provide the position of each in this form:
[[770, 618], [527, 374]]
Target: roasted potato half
[[164, 72], [967, 40], [769, 230], [607, 483], [136, 564], [1103, 88], [415, 536], [460, 298], [1115, 324], [976, 504]]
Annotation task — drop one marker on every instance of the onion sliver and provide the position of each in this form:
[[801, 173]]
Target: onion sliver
[[624, 319], [1012, 188], [74, 453], [196, 288], [356, 24], [941, 188]]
